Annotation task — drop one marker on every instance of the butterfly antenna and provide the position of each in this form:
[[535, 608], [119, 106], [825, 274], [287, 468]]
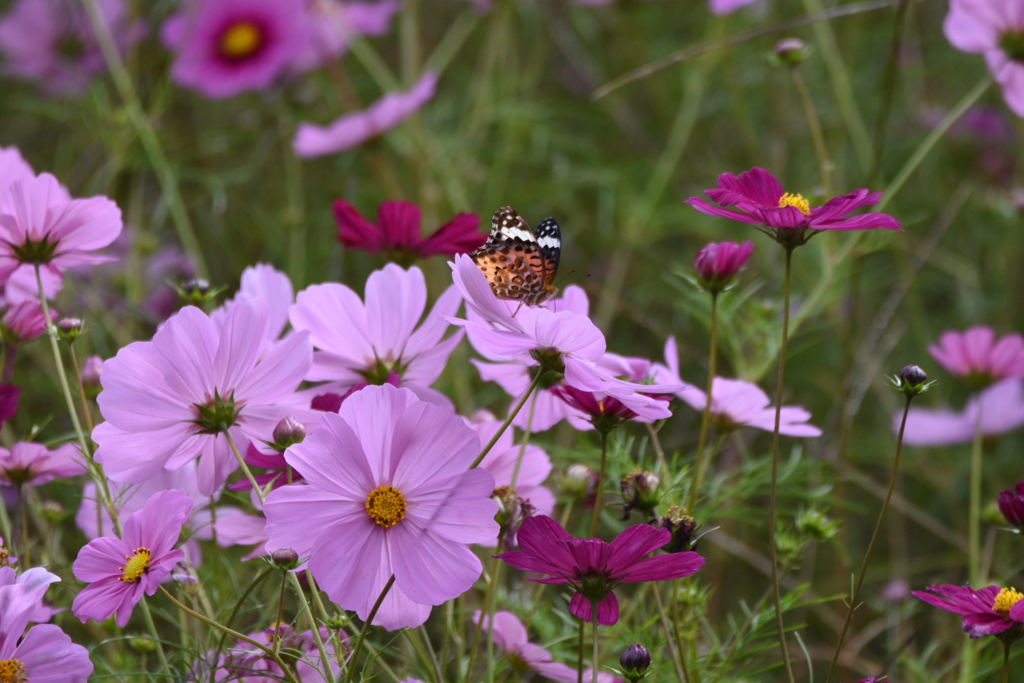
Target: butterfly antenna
[[565, 276]]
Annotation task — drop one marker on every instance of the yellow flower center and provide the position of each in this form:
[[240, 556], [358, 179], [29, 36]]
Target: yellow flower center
[[12, 671], [1007, 598], [241, 40], [386, 506], [138, 564], [797, 201]]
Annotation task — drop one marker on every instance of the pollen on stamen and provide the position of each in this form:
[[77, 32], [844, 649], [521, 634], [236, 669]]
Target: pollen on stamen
[[386, 506], [137, 565], [1007, 598], [797, 201]]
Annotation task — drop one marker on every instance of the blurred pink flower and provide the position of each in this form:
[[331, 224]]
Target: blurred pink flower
[[976, 356], [986, 612], [226, 47], [40, 223], [388, 493], [252, 665], [21, 286], [34, 464], [501, 463], [735, 403], [92, 371], [994, 28], [1002, 411], [120, 570], [727, 6], [45, 654], [593, 567], [9, 394], [24, 322], [37, 578], [718, 263], [398, 229], [359, 342], [52, 42], [170, 400], [510, 635], [274, 462], [357, 127], [243, 529], [331, 24], [263, 282], [12, 165]]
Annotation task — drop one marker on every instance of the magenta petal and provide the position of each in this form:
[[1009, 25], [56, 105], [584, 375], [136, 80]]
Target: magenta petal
[[710, 210], [49, 656], [663, 567], [978, 625], [756, 186], [354, 231], [633, 543], [607, 609], [539, 537]]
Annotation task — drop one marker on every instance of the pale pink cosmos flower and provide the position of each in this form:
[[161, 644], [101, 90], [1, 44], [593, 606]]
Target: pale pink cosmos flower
[[263, 282], [333, 22], [171, 400], [1002, 411], [24, 322], [245, 663], [34, 464], [501, 463], [356, 128], [510, 635], [120, 570], [21, 286], [727, 6], [243, 529], [735, 403], [39, 579], [41, 224], [359, 342], [13, 167], [995, 29], [388, 493], [45, 654], [976, 356], [226, 47]]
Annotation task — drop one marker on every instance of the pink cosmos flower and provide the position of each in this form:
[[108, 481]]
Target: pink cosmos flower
[[735, 403], [40, 223], [226, 47], [501, 463], [510, 635], [388, 493], [24, 322], [762, 201], [274, 462], [359, 342], [263, 282], [986, 612], [718, 263], [39, 579], [331, 24], [1011, 504], [356, 128], [170, 400], [52, 42], [727, 6], [251, 665], [120, 570], [994, 28], [21, 286], [243, 529], [12, 165], [398, 229], [45, 654], [977, 357], [1002, 411], [35, 465], [593, 567]]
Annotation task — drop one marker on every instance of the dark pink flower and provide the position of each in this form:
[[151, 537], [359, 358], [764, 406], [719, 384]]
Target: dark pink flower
[[120, 570], [718, 263], [986, 612], [786, 216], [994, 28], [593, 567], [975, 355], [8, 401], [34, 464], [398, 229], [604, 411], [226, 47], [24, 322], [1011, 504]]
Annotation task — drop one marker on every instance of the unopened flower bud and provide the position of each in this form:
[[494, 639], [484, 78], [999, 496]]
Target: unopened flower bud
[[790, 52], [639, 492], [1011, 504], [92, 371], [635, 661], [197, 292], [51, 511], [578, 480], [69, 329], [512, 510], [284, 558], [287, 432], [337, 621], [683, 529], [912, 381], [717, 264], [144, 645], [815, 525]]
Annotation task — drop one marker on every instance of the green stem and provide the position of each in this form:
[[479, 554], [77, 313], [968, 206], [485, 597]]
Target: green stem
[[593, 659], [280, 608], [579, 652], [148, 618], [705, 420], [245, 468], [1006, 661], [24, 559], [683, 658], [817, 135], [488, 597], [366, 627], [682, 673], [315, 627], [974, 516], [599, 494], [508, 421], [524, 444], [871, 546], [86, 413], [772, 550]]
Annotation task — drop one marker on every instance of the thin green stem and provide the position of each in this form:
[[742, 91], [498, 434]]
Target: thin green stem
[[682, 673], [488, 597], [280, 609], [366, 627], [1006, 661], [772, 494], [871, 546], [683, 658], [245, 467], [593, 660], [24, 559], [599, 493], [147, 616], [817, 135], [705, 421], [508, 421], [974, 513], [579, 653], [86, 413], [525, 442], [315, 627]]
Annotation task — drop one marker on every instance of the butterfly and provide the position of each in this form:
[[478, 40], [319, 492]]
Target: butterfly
[[520, 263]]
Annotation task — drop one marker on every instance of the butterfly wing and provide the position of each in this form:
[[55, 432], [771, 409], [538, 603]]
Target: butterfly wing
[[549, 240], [516, 264]]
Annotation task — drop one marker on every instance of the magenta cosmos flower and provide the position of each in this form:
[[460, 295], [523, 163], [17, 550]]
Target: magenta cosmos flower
[[788, 217], [41, 224], [388, 493], [534, 467], [975, 356], [986, 612], [45, 654], [226, 47], [735, 403], [171, 400], [1002, 411], [593, 567], [120, 570], [356, 128], [52, 42], [995, 29], [357, 342], [398, 230], [510, 635], [718, 263], [34, 464], [1011, 504]]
